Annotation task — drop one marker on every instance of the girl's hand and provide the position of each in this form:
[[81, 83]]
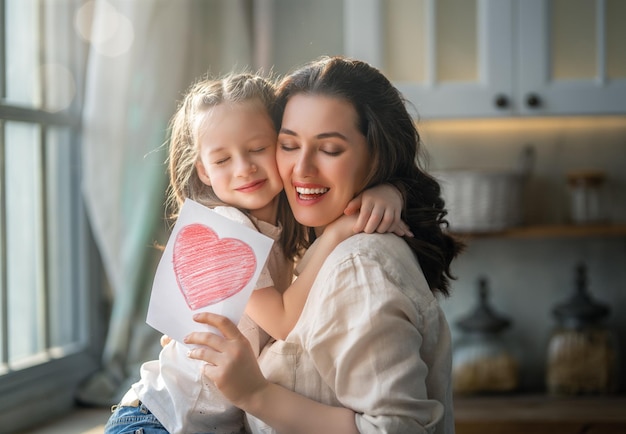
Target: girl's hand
[[380, 210], [231, 364], [342, 228]]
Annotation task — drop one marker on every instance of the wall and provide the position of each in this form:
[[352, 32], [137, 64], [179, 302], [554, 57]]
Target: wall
[[304, 30], [527, 277]]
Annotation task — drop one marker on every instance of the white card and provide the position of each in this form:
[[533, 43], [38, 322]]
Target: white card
[[210, 264]]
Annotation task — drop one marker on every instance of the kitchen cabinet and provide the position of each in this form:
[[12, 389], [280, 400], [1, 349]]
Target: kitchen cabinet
[[571, 56], [495, 58]]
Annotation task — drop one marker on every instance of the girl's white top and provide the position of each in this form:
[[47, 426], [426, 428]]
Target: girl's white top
[[173, 387], [373, 338]]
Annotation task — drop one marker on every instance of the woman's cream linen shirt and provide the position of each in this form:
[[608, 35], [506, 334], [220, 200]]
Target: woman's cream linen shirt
[[373, 338]]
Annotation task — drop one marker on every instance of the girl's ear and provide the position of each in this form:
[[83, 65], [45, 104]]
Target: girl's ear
[[202, 173]]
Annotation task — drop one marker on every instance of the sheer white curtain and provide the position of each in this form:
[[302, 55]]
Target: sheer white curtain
[[143, 55]]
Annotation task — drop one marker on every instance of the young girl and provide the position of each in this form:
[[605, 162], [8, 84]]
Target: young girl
[[222, 154]]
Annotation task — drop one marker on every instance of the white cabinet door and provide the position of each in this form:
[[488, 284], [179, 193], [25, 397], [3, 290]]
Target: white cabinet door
[[450, 58], [493, 58], [572, 57]]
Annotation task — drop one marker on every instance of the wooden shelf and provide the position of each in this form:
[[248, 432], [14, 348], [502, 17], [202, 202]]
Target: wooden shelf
[[553, 231], [539, 414]]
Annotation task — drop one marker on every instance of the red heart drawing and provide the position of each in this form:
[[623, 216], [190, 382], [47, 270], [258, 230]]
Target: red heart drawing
[[209, 269]]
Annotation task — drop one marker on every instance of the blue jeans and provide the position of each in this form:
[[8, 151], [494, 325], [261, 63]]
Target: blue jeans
[[133, 420]]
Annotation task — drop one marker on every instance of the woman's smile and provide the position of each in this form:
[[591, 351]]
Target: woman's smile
[[309, 193]]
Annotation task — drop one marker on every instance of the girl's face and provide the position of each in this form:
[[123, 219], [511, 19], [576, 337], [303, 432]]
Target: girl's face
[[322, 157], [237, 158]]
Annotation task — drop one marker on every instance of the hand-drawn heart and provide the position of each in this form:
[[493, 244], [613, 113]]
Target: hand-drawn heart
[[209, 269]]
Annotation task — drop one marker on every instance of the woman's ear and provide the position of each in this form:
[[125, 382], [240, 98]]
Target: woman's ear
[[202, 173]]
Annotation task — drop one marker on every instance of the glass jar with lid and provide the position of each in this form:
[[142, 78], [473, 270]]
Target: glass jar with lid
[[582, 351], [483, 361], [587, 196]]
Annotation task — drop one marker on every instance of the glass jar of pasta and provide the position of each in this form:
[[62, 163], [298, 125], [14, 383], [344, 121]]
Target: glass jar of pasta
[[483, 360], [582, 351]]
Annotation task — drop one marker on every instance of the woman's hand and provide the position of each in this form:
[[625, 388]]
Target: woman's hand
[[165, 339], [380, 210], [231, 363]]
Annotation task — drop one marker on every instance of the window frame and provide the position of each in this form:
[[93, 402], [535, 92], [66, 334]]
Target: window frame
[[34, 394]]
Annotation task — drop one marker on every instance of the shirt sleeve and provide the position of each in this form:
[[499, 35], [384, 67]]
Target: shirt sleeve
[[366, 345], [265, 279]]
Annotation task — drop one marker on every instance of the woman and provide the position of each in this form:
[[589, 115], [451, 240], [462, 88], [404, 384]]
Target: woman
[[371, 350]]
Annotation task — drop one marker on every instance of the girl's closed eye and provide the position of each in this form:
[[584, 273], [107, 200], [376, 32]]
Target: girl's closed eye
[[221, 161]]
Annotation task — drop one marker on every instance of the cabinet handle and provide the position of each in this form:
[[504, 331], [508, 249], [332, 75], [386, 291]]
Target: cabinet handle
[[501, 101], [533, 100]]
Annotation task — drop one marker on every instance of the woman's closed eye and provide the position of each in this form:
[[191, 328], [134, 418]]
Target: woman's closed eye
[[331, 150], [332, 153], [288, 146]]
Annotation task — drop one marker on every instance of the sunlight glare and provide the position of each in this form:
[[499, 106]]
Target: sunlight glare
[[60, 85], [110, 32]]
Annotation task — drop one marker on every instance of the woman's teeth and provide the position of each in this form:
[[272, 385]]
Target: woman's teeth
[[310, 191]]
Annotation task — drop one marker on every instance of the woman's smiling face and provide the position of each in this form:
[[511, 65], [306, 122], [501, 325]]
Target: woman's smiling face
[[322, 157]]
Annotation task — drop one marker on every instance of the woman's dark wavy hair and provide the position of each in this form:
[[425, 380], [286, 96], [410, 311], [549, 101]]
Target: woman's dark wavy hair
[[394, 146]]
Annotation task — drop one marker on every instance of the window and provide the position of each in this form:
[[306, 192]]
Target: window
[[46, 255]]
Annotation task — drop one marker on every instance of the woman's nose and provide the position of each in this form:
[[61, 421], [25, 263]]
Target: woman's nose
[[305, 164]]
